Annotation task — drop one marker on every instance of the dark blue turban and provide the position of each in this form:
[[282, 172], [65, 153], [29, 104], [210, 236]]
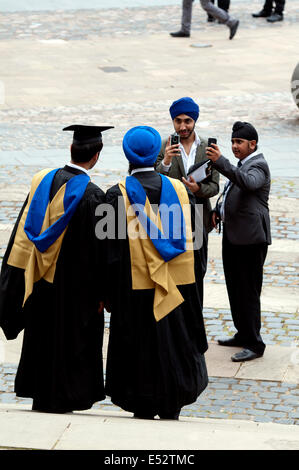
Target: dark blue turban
[[184, 106], [141, 145], [244, 130]]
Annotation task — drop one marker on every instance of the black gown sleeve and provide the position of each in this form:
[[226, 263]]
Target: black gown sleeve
[[12, 289]]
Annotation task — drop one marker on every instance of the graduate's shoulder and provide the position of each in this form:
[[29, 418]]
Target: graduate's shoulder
[[94, 192], [113, 193]]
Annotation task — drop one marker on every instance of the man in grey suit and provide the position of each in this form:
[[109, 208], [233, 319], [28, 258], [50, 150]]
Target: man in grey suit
[[244, 212], [175, 161]]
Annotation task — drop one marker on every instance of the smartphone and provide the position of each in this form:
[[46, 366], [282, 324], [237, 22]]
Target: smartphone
[[211, 140], [175, 139]]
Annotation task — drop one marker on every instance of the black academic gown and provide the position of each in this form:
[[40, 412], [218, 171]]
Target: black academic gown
[[152, 367], [61, 361]]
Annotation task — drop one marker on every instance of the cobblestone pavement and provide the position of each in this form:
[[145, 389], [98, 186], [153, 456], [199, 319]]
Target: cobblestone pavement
[[278, 328], [90, 24], [40, 128], [275, 273], [260, 401]]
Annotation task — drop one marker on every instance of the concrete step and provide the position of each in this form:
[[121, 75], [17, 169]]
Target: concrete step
[[21, 428]]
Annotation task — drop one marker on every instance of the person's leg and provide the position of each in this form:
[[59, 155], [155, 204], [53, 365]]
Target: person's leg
[[230, 260], [186, 16], [210, 17], [224, 4], [186, 20], [279, 7], [277, 15], [217, 13], [249, 262], [222, 16], [266, 10]]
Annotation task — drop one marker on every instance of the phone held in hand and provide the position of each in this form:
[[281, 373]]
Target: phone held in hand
[[211, 140], [174, 139]]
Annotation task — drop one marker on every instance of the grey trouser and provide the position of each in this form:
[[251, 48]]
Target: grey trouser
[[210, 8]]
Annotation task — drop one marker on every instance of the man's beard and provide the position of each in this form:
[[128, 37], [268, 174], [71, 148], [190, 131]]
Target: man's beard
[[187, 135]]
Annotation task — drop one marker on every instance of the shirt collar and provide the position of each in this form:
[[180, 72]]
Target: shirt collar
[[73, 165], [256, 152], [196, 141], [139, 170]]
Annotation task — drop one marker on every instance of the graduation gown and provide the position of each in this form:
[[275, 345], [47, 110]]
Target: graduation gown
[[61, 360], [152, 367]]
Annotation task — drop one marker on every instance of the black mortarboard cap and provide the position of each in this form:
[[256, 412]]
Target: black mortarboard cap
[[87, 134]]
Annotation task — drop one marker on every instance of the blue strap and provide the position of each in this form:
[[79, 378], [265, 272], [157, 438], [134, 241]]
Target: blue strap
[[173, 243], [74, 191]]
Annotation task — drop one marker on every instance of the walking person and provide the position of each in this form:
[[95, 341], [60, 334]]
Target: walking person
[[52, 284], [218, 13], [244, 213]]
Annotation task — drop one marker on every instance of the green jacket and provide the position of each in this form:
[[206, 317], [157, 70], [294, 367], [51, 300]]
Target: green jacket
[[207, 189]]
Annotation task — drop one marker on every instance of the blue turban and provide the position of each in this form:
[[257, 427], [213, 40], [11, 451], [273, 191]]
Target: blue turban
[[141, 145], [184, 106]]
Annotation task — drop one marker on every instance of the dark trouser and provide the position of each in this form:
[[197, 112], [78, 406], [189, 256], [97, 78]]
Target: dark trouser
[[203, 267], [243, 269], [224, 4], [279, 6]]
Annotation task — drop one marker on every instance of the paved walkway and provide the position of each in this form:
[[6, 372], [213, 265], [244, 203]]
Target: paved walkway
[[56, 74]]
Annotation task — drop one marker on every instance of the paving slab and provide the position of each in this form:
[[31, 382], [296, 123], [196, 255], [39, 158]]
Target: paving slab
[[218, 359], [276, 364], [24, 430], [41, 66], [99, 430]]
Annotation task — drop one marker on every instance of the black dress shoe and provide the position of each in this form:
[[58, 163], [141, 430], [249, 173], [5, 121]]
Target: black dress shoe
[[143, 416], [180, 34], [275, 17], [229, 342], [245, 355], [174, 416], [262, 14], [233, 29]]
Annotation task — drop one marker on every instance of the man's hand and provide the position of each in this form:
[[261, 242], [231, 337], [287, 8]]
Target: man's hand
[[213, 152], [215, 219], [170, 152], [192, 185]]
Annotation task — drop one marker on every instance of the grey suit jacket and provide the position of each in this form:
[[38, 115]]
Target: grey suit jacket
[[207, 189], [247, 220]]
